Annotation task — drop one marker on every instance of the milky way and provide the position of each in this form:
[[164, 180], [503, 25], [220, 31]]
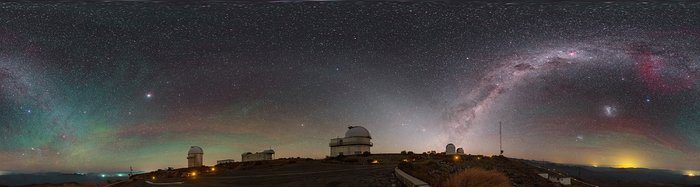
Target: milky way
[[105, 86], [640, 89]]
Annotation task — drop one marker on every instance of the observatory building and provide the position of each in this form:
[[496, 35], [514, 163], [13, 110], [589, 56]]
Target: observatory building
[[450, 149], [355, 142], [265, 155], [195, 157], [225, 161], [460, 151]]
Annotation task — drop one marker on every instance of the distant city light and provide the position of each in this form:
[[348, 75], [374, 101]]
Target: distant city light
[[103, 175]]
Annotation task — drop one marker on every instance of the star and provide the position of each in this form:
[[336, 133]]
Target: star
[[619, 91]]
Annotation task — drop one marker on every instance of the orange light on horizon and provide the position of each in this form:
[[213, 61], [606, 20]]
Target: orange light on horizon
[[690, 173], [213, 169], [628, 161]]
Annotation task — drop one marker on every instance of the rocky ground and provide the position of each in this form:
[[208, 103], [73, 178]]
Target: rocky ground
[[437, 168]]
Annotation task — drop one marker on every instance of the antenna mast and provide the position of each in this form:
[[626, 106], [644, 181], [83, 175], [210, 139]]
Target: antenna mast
[[500, 137]]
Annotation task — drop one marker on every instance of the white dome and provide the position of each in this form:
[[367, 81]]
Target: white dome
[[195, 150], [357, 131]]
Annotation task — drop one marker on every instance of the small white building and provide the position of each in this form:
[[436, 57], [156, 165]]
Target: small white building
[[450, 149], [265, 155], [355, 142], [566, 181], [225, 161], [195, 157], [460, 151]]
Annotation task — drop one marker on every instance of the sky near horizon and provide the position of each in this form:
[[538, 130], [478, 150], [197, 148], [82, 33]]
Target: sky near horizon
[[105, 86]]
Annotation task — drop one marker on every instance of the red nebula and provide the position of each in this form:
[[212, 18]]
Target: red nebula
[[651, 70]]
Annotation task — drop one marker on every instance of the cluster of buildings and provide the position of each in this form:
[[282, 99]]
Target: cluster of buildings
[[356, 142], [566, 181], [264, 155], [450, 150], [195, 157]]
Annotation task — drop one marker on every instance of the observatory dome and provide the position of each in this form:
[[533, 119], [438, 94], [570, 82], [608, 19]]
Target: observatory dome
[[357, 131], [195, 150], [450, 149]]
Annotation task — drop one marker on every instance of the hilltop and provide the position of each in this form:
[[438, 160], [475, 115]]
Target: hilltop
[[372, 170]]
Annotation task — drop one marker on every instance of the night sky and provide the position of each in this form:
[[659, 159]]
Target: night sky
[[105, 86]]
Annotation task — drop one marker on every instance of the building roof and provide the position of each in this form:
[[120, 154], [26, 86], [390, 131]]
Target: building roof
[[357, 131], [195, 150]]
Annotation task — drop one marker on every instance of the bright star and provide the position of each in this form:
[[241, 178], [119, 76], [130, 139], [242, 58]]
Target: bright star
[[149, 95]]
